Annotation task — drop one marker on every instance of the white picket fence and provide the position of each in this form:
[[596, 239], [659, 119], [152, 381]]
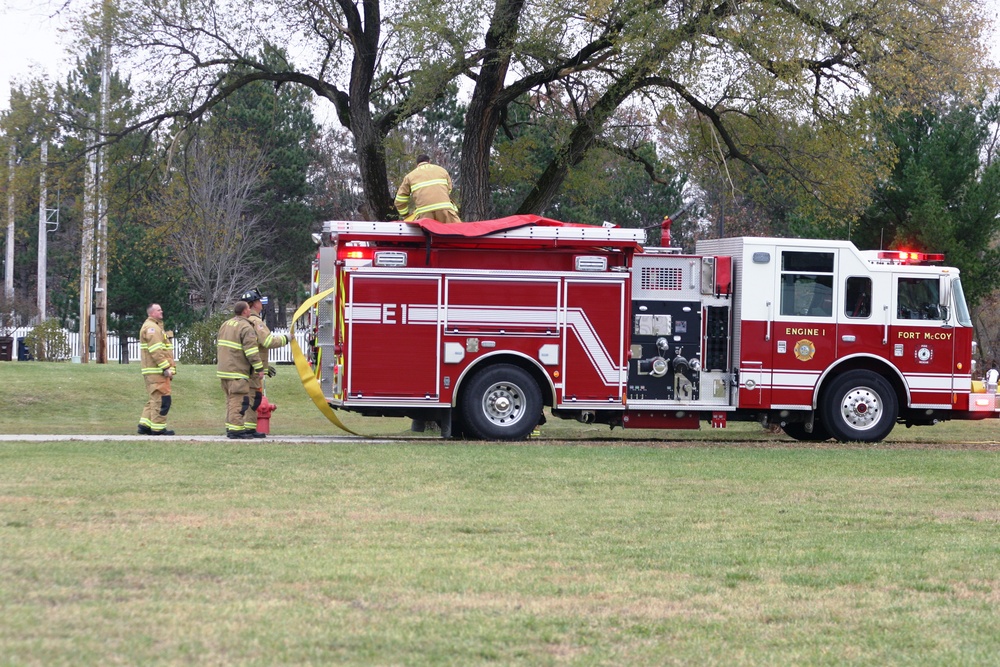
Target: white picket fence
[[279, 355]]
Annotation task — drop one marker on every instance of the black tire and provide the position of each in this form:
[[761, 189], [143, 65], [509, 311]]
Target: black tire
[[798, 431], [502, 402], [859, 406]]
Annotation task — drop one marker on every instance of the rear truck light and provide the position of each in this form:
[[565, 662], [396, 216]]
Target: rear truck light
[[354, 255]]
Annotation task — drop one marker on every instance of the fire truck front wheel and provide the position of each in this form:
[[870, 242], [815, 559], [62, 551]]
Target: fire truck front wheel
[[860, 406], [502, 402]]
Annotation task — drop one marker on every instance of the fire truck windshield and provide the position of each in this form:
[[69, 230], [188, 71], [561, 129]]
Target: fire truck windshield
[[961, 308]]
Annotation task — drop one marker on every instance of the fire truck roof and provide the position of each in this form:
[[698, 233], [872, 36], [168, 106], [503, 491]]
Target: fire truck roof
[[512, 229]]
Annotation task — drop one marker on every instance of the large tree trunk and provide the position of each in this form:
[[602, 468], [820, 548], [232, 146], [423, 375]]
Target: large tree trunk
[[370, 146], [369, 136], [485, 109]]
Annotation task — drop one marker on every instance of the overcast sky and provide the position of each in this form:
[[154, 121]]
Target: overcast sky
[[32, 41]]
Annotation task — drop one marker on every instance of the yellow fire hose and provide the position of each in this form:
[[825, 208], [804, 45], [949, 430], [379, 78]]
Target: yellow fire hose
[[306, 373]]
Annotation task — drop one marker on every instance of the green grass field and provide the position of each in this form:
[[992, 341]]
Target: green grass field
[[64, 398], [752, 551]]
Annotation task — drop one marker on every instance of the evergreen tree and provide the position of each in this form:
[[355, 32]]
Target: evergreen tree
[[941, 197], [143, 271]]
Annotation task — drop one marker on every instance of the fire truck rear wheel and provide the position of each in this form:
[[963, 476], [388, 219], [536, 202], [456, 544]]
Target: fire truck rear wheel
[[860, 406], [502, 402]]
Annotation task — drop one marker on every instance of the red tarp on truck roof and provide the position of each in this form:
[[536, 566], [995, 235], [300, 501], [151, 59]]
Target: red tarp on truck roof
[[487, 227]]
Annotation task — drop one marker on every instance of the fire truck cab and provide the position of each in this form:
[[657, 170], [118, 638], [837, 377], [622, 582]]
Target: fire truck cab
[[479, 326]]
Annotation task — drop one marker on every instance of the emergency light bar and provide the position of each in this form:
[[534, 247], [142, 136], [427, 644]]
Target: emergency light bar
[[910, 257]]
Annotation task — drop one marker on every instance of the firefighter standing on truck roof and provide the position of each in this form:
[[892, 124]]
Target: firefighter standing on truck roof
[[157, 356], [265, 341], [239, 359], [426, 193]]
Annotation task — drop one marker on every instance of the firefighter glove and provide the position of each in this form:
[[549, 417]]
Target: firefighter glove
[[271, 371], [168, 372]]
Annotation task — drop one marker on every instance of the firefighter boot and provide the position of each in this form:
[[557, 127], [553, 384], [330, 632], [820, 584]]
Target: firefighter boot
[[144, 430]]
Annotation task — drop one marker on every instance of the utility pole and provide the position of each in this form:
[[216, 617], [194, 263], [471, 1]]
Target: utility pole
[[8, 279], [87, 257], [101, 257], [42, 231]]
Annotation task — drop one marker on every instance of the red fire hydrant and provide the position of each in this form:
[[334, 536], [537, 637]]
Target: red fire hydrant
[[264, 411]]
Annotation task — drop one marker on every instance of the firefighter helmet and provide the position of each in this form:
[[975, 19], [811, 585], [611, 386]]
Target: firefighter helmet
[[251, 295]]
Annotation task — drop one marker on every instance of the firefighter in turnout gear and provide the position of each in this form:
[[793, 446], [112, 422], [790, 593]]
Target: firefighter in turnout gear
[[426, 193], [265, 341], [239, 360], [158, 367]]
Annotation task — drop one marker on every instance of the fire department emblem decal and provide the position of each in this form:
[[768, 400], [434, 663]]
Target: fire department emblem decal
[[805, 350], [924, 354]]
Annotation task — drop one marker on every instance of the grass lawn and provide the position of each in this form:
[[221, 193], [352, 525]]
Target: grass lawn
[[759, 551], [64, 398]]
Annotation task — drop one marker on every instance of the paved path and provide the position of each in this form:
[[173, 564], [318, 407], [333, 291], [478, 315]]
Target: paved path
[[319, 439]]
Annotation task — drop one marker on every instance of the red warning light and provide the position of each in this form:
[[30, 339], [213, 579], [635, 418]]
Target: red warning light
[[911, 257], [354, 253]]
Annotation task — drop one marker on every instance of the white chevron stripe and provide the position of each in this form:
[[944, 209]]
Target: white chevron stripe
[[592, 344]]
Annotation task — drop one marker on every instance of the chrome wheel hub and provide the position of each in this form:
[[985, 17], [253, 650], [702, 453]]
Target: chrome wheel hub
[[503, 403], [861, 408]]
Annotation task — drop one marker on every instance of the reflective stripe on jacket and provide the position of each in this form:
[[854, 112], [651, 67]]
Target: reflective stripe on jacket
[[426, 188], [265, 339], [238, 353], [156, 351]]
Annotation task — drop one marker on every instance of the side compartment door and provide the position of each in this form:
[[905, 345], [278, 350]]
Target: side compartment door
[[392, 337], [594, 355]]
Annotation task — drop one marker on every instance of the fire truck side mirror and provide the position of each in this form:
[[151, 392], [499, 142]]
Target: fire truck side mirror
[[945, 296]]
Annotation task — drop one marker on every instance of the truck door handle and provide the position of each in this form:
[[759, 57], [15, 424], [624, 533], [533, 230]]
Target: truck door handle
[[885, 331], [847, 338], [767, 336]]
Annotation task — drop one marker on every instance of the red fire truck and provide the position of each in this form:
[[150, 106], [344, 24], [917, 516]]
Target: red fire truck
[[479, 326]]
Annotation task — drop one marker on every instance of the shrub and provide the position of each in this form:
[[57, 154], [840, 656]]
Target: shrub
[[48, 341], [200, 340]]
